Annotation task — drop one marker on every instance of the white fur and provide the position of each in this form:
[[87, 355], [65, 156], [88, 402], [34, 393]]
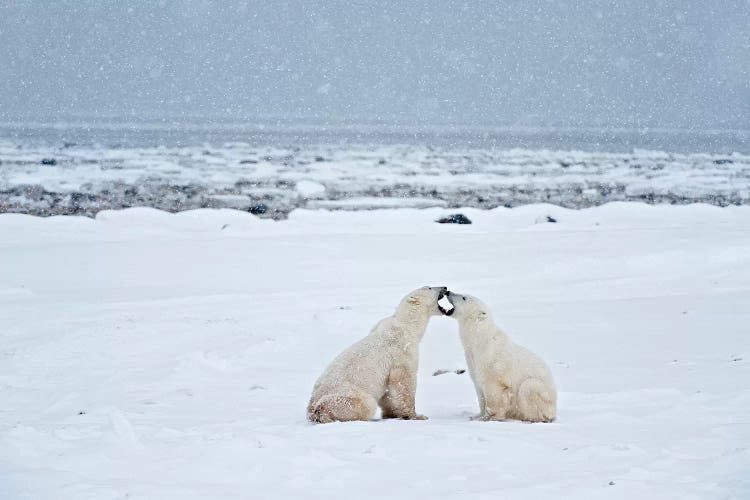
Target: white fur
[[511, 381], [379, 370]]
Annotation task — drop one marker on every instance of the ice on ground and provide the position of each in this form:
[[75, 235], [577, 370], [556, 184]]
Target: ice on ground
[[310, 189], [153, 355], [369, 203]]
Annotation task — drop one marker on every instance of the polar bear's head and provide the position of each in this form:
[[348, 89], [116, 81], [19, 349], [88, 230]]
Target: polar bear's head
[[466, 307], [422, 301]]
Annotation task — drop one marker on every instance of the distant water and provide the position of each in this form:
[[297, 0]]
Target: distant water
[[127, 134]]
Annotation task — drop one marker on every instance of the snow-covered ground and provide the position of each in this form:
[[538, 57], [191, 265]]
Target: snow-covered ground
[[170, 356], [44, 179]]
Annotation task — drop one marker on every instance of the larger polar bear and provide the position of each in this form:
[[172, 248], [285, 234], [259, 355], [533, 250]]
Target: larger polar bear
[[511, 381], [379, 370]]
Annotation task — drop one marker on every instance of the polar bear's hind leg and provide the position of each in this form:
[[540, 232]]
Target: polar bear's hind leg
[[537, 402], [497, 403], [342, 408]]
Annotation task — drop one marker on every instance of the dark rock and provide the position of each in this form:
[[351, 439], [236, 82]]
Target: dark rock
[[258, 209], [459, 371], [723, 161], [79, 200], [244, 183], [454, 219], [190, 189], [49, 161], [551, 219], [319, 159]]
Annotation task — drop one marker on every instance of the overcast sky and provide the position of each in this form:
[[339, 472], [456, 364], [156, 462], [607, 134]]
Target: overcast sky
[[527, 62]]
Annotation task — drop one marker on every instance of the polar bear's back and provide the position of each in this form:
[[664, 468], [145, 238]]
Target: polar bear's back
[[526, 364], [363, 365]]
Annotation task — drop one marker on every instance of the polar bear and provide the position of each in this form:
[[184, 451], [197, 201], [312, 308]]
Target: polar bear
[[379, 370], [511, 381]]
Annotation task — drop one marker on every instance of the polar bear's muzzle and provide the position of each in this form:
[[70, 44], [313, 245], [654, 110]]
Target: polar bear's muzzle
[[444, 303]]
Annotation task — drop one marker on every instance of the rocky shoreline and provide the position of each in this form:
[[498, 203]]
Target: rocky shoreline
[[271, 182]]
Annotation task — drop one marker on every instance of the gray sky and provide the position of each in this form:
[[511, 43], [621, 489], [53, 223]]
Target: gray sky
[[527, 62]]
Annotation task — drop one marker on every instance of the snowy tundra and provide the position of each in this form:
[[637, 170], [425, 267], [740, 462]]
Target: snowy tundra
[[170, 356]]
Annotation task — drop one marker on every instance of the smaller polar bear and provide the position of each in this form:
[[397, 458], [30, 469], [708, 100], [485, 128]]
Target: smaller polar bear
[[511, 381], [379, 370]]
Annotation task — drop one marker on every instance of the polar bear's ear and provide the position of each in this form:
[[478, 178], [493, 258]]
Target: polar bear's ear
[[413, 300], [481, 316]]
